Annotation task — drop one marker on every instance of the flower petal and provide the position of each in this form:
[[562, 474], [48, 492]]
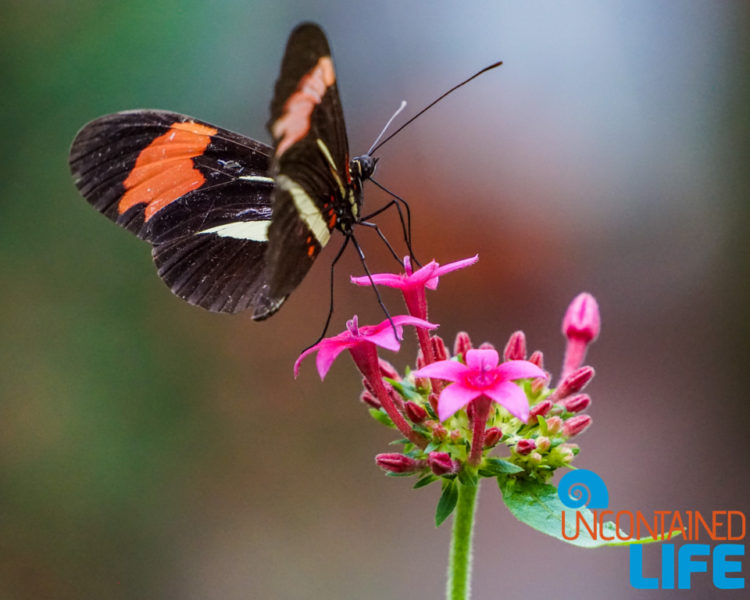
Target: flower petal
[[382, 333], [385, 338], [453, 398], [519, 369], [387, 279], [409, 320], [482, 360], [328, 350], [451, 370], [454, 266], [510, 396], [459, 264], [307, 352], [423, 274]]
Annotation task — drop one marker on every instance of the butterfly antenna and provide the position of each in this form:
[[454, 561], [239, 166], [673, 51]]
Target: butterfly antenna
[[330, 304], [372, 283], [433, 103], [398, 111]]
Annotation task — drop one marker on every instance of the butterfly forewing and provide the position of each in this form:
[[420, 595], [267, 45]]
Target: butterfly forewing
[[201, 195], [234, 224], [310, 161]]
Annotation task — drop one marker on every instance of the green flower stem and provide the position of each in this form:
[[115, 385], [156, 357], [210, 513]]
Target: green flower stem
[[459, 566]]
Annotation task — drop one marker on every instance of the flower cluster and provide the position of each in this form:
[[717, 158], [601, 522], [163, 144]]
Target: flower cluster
[[455, 408]]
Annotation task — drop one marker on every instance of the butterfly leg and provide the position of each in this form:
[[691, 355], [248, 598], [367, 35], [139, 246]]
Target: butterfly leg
[[382, 237], [405, 225], [330, 305], [372, 283]]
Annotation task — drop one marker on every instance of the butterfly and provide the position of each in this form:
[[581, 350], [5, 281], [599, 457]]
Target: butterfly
[[234, 224]]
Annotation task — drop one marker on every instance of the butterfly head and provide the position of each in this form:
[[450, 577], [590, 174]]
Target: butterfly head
[[362, 168]]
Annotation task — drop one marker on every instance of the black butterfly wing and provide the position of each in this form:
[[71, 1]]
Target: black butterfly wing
[[310, 161], [201, 195]]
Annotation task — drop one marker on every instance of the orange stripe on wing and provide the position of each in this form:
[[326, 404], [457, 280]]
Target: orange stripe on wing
[[164, 169], [294, 122]]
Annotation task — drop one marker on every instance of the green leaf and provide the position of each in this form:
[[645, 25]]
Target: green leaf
[[491, 467], [431, 447], [422, 429], [392, 474], [538, 506], [397, 442], [381, 417], [447, 502], [404, 387], [426, 480], [542, 425], [430, 410]]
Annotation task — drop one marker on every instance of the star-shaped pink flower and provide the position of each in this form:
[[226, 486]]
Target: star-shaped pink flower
[[482, 375], [414, 282], [354, 336]]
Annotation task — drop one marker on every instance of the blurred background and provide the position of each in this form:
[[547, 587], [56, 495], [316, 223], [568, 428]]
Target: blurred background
[[149, 449]]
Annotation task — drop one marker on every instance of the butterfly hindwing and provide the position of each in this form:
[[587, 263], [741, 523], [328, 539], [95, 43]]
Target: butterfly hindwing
[[201, 195], [310, 161]]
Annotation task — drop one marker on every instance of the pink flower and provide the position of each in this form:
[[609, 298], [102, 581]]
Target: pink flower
[[355, 336], [413, 284], [426, 276], [482, 376]]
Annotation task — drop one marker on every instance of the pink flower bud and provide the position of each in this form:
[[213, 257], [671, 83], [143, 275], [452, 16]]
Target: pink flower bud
[[434, 401], [538, 384], [439, 351], [582, 319], [535, 457], [441, 463], [492, 436], [369, 399], [543, 443], [462, 344], [540, 409], [414, 412], [576, 425], [398, 463], [525, 446], [566, 452], [554, 424], [581, 327], [515, 349], [537, 358], [455, 435], [486, 346], [573, 383], [577, 403], [438, 431], [387, 370]]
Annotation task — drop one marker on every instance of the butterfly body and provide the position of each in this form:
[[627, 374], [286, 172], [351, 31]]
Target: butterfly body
[[234, 224]]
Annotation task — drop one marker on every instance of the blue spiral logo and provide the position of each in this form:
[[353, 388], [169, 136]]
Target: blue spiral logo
[[583, 488]]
